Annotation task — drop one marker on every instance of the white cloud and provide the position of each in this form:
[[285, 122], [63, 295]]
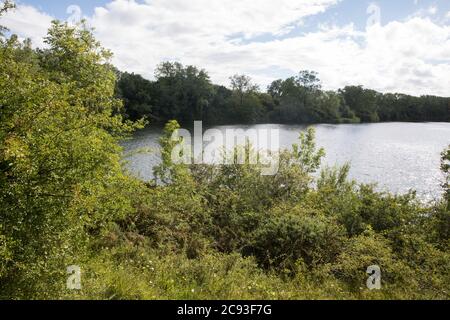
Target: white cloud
[[193, 30], [432, 10], [424, 12], [411, 56], [28, 22]]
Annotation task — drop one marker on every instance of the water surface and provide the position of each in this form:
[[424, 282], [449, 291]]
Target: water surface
[[397, 156]]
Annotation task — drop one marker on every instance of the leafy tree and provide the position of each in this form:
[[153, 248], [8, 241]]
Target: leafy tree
[[242, 85], [362, 101], [306, 153], [309, 80], [5, 6], [328, 108], [59, 157], [246, 105], [183, 92], [219, 109], [300, 100], [138, 95]]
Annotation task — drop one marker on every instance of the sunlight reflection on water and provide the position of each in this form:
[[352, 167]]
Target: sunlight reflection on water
[[397, 156]]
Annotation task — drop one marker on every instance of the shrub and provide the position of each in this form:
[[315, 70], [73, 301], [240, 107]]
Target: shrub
[[298, 234], [370, 249]]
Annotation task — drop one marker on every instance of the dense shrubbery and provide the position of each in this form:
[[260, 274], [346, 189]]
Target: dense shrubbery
[[224, 233], [200, 232]]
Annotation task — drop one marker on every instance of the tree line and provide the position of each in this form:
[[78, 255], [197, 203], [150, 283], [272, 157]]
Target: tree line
[[186, 93]]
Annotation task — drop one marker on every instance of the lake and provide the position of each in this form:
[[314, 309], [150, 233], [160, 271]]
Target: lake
[[396, 156]]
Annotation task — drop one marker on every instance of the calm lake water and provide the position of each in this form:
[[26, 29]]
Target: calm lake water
[[396, 156]]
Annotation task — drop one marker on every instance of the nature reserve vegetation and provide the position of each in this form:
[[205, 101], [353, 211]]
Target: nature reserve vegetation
[[203, 232]]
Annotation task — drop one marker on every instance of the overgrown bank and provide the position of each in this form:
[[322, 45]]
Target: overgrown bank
[[207, 232]]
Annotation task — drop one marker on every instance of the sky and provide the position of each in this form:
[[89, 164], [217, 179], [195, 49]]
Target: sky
[[390, 46]]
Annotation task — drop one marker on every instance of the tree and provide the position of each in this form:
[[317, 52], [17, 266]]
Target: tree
[[61, 180], [218, 110], [246, 105], [186, 94], [183, 93], [328, 107], [362, 101], [242, 85], [298, 98], [5, 7], [138, 95], [275, 89], [309, 80]]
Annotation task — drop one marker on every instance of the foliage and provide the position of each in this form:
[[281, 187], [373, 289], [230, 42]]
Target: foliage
[[183, 93], [186, 94], [197, 231], [5, 6], [59, 157], [284, 239], [445, 167], [362, 102], [137, 95], [366, 250]]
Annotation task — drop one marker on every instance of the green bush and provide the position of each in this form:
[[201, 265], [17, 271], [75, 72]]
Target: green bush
[[370, 249], [298, 234]]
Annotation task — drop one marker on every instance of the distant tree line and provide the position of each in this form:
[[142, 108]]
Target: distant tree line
[[186, 93]]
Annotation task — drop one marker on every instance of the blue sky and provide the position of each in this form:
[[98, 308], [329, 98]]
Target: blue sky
[[58, 8], [406, 50], [343, 13]]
